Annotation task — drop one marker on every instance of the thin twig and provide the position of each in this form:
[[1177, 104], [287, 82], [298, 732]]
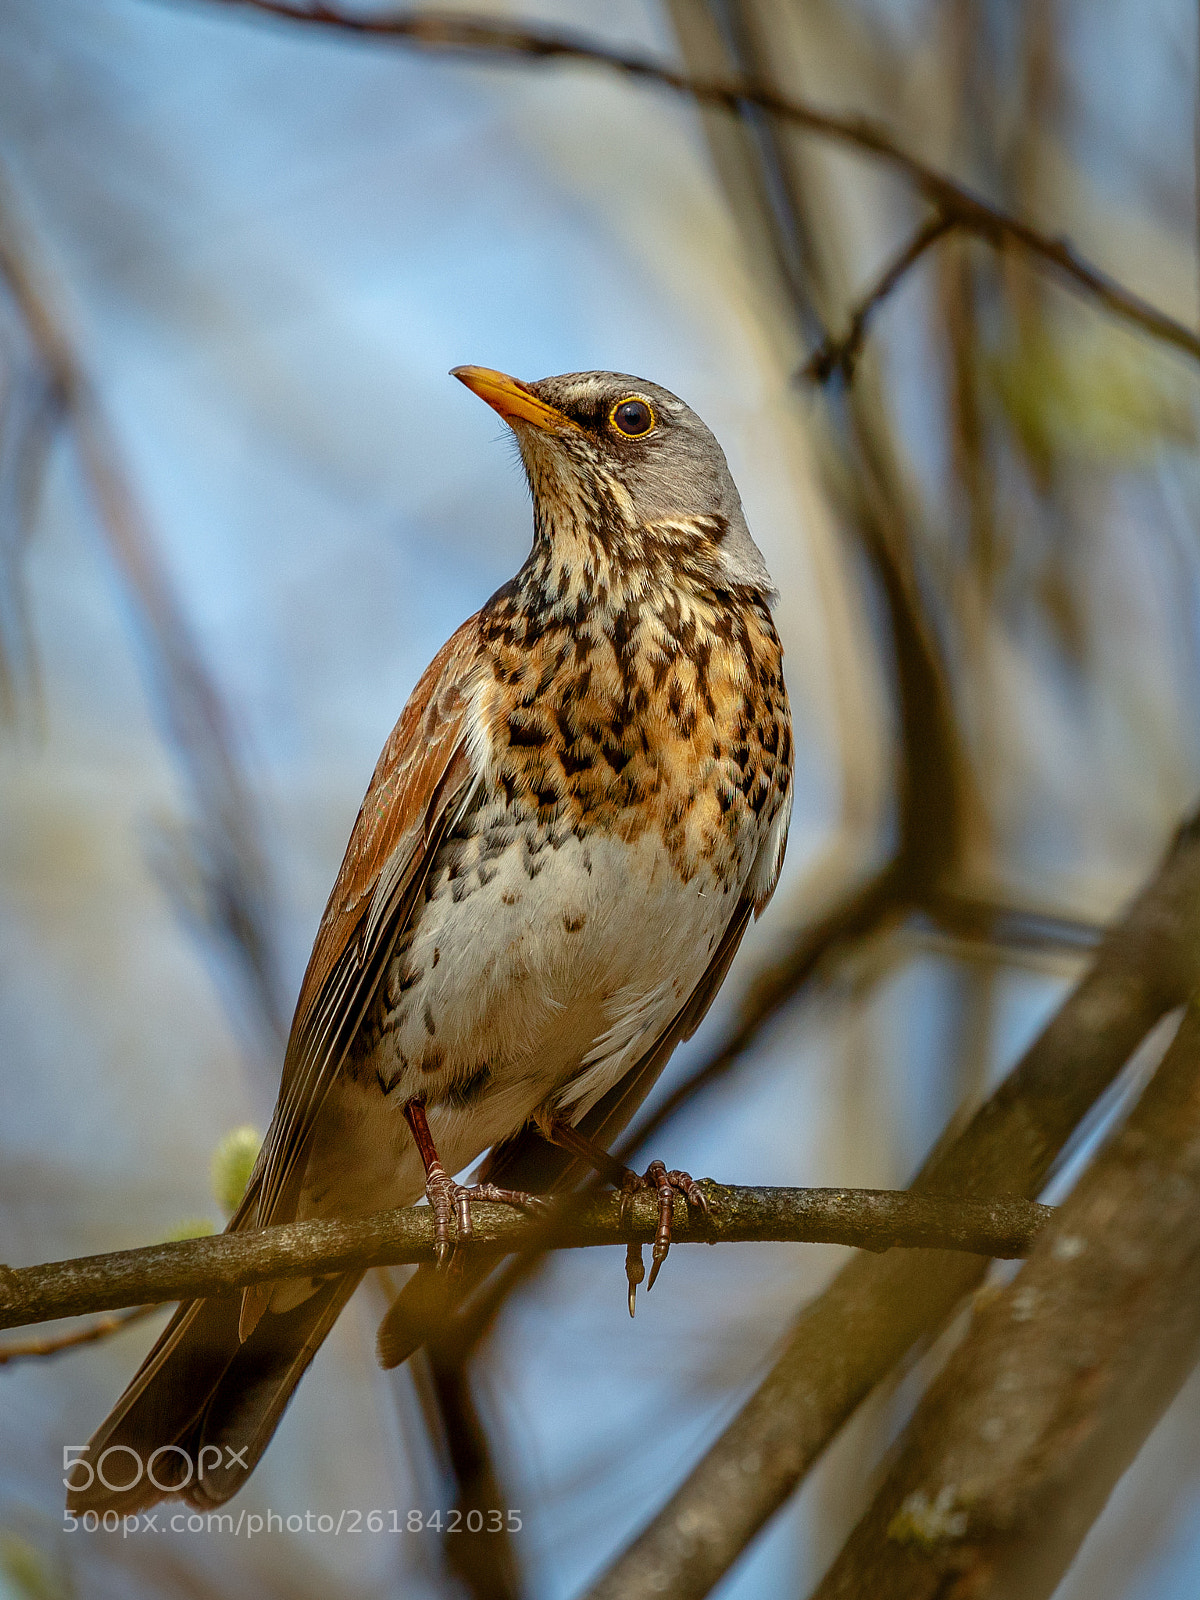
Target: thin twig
[[841, 355], [1008, 926], [486, 1563], [966, 210], [55, 1344], [865, 912], [188, 1269]]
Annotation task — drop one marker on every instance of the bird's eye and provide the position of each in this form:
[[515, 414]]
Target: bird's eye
[[633, 418]]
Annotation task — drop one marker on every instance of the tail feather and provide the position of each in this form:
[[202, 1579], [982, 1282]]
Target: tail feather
[[203, 1406], [422, 1305], [240, 1419]]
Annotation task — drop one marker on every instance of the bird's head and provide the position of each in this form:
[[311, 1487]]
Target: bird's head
[[622, 468]]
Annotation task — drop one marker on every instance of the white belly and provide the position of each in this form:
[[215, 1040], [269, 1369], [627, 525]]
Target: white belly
[[542, 980]]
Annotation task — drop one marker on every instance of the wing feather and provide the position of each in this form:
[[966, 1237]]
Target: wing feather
[[423, 782]]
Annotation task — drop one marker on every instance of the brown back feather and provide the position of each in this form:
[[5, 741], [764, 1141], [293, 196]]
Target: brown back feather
[[422, 781]]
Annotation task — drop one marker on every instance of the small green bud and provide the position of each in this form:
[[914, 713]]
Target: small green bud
[[28, 1573], [232, 1163], [190, 1228]]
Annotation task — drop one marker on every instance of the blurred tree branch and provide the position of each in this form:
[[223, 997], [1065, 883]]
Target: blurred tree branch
[[30, 413], [1019, 1441], [234, 890], [853, 1334], [486, 1562], [840, 355], [55, 1344], [187, 1269], [954, 201]]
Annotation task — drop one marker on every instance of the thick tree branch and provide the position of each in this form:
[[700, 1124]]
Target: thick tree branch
[[852, 1335], [961, 206], [186, 1269], [1018, 1443]]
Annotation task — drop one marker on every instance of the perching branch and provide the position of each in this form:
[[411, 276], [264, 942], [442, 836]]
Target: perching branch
[[849, 1338], [960, 206], [188, 1269]]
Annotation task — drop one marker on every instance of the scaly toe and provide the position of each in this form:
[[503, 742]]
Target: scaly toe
[[440, 1192], [666, 1185], [452, 1200]]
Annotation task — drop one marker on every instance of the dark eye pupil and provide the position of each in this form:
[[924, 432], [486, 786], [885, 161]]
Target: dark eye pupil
[[633, 417]]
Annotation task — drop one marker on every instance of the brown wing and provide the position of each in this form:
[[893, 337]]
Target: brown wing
[[422, 782], [222, 1371]]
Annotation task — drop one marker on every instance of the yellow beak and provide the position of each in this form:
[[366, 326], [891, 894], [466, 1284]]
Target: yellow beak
[[511, 398]]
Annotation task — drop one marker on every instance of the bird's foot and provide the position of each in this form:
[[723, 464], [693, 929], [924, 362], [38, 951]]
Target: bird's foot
[[666, 1185], [451, 1203]]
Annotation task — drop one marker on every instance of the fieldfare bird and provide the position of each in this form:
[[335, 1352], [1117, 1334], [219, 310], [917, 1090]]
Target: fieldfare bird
[[584, 801]]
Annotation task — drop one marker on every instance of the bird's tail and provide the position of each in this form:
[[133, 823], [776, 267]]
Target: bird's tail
[[204, 1404]]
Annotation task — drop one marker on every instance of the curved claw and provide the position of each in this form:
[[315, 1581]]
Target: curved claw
[[635, 1271], [658, 1255], [692, 1192], [657, 1174], [665, 1185]]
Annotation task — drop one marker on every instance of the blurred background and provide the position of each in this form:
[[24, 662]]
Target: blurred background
[[241, 505]]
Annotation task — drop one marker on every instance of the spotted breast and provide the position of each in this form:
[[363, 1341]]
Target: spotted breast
[[634, 792]]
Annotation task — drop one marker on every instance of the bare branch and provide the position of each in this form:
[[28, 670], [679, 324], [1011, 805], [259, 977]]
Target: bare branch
[[30, 413], [841, 355], [978, 918], [852, 1335], [188, 1269], [485, 1563], [55, 1344], [1015, 1448], [231, 860], [961, 206]]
